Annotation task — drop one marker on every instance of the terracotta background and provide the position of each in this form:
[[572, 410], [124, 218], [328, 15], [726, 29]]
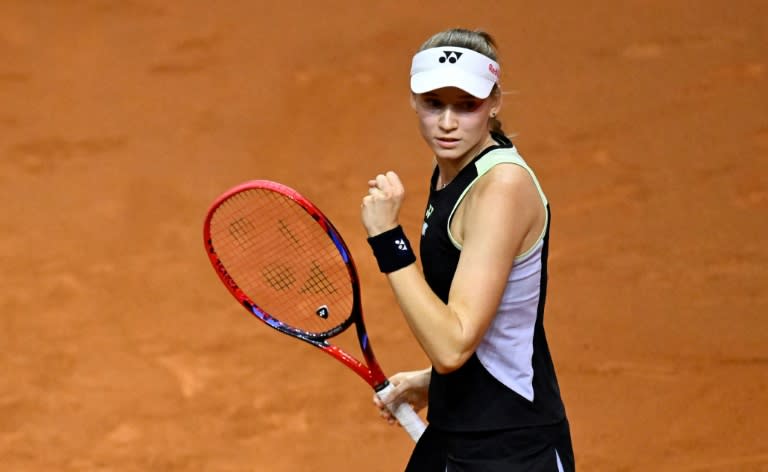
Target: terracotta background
[[646, 120]]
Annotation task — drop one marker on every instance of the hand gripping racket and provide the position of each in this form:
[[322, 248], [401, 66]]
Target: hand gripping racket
[[284, 261]]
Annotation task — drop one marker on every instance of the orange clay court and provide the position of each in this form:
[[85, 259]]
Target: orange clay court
[[120, 121]]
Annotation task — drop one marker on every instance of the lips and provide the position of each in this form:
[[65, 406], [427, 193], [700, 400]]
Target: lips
[[447, 143]]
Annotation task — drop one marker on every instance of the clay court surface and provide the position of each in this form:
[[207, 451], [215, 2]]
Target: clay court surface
[[120, 121]]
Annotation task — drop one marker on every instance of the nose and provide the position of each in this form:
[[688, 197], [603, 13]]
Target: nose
[[447, 119]]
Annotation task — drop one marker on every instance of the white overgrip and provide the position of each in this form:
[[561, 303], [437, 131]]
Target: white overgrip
[[406, 416]]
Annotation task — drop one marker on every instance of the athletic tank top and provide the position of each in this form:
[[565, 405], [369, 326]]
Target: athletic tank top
[[510, 381]]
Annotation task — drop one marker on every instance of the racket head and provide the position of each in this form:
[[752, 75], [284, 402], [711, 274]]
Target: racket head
[[283, 259]]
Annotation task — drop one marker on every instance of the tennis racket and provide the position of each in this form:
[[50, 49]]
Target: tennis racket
[[284, 261]]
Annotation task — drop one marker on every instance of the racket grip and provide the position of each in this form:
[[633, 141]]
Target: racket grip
[[405, 414]]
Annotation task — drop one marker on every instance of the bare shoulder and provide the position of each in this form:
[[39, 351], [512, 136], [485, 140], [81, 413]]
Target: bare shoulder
[[507, 198], [503, 205], [504, 181]]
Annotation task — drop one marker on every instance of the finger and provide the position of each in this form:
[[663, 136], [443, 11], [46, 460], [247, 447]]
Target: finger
[[393, 396], [394, 181], [387, 416], [376, 401], [382, 182]]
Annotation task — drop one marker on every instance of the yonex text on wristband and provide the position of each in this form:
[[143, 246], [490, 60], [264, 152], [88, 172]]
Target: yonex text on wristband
[[392, 250]]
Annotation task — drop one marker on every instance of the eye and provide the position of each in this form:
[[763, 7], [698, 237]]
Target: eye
[[433, 103], [468, 105]]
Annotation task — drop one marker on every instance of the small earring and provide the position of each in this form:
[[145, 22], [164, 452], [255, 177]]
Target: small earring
[[493, 115]]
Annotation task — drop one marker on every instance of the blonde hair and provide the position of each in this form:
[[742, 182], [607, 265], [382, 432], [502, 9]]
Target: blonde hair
[[476, 40]]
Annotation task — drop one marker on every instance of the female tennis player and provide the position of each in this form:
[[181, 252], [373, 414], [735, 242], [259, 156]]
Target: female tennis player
[[477, 306]]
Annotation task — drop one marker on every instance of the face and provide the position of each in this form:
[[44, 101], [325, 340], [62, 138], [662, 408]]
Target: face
[[454, 123]]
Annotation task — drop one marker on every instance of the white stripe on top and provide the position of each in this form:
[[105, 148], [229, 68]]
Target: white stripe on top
[[506, 350]]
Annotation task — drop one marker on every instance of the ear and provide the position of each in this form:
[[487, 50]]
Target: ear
[[413, 101], [496, 102]]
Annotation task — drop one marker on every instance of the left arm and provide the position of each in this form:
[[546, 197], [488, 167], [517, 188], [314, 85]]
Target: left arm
[[498, 214]]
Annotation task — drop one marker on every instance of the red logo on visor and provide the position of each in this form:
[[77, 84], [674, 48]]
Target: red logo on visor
[[493, 70]]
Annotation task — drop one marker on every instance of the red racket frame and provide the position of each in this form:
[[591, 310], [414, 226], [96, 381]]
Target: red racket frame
[[370, 371]]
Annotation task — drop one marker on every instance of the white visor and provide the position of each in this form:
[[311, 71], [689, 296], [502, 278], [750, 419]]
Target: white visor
[[448, 66]]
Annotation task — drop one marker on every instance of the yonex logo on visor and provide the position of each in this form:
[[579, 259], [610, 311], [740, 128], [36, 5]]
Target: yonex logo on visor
[[450, 56], [449, 66]]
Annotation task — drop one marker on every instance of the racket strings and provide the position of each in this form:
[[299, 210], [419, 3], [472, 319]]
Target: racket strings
[[283, 259]]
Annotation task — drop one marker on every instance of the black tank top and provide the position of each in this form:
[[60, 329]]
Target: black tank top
[[470, 398]]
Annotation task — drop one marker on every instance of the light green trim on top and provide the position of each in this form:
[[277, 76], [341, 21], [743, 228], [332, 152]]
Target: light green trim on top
[[488, 162]]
